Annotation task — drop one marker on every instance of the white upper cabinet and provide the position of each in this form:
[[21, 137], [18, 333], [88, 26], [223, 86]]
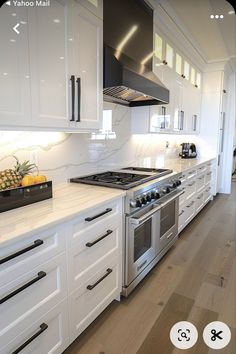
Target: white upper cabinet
[[87, 62], [51, 65], [14, 68], [51, 74]]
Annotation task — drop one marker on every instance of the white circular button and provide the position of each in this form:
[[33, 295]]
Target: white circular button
[[183, 335], [216, 335]]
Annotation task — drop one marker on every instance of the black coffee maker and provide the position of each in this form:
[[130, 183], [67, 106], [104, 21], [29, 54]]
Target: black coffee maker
[[188, 151]]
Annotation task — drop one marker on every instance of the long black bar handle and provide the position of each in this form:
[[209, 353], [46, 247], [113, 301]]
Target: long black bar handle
[[78, 81], [23, 287], [98, 215], [24, 250], [72, 79], [90, 244], [108, 271], [43, 328]]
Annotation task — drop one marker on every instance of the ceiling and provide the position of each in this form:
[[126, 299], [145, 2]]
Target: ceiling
[[216, 38]]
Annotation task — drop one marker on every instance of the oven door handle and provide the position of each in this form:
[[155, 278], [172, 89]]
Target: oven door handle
[[171, 198], [145, 217]]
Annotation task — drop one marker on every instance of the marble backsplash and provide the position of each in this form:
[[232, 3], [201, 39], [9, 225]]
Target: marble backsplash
[[61, 155]]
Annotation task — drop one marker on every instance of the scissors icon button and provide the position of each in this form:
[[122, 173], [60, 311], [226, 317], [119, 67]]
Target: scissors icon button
[[216, 335]]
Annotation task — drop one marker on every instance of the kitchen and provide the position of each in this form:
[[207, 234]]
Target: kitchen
[[108, 235]]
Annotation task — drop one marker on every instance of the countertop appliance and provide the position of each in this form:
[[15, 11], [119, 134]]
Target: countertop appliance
[[128, 78], [151, 209], [188, 151]]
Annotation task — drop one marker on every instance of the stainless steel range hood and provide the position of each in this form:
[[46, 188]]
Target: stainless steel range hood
[[128, 83]]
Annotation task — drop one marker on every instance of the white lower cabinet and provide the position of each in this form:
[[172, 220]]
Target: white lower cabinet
[[28, 297], [48, 334], [54, 283], [197, 184], [91, 298]]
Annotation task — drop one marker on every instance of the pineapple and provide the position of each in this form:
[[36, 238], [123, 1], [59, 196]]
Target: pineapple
[[24, 168], [11, 178]]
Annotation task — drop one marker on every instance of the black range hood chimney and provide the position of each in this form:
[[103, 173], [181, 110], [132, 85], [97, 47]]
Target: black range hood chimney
[[128, 50]]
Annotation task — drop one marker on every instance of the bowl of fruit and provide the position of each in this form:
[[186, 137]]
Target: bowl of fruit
[[22, 185]]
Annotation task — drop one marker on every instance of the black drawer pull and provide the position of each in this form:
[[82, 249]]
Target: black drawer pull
[[72, 79], [108, 271], [90, 244], [23, 287], [18, 253], [98, 215], [78, 81], [43, 328]]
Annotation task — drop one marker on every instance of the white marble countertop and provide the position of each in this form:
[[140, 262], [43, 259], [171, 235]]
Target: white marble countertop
[[69, 200], [176, 164]]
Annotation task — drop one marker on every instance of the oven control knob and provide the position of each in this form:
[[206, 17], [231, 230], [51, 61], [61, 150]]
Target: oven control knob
[[133, 203], [149, 197], [153, 195], [144, 200], [178, 182], [157, 195], [138, 203], [174, 184], [166, 190]]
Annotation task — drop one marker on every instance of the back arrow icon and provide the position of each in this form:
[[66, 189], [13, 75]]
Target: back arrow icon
[[15, 28]]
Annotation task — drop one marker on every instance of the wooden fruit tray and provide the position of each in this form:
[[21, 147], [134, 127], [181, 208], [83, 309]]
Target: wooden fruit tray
[[21, 196]]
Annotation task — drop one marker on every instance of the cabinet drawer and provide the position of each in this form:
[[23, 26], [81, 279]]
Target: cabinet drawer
[[200, 183], [92, 221], [208, 177], [190, 189], [51, 331], [207, 195], [189, 211], [92, 250], [191, 173], [87, 302], [181, 220], [18, 258], [28, 297], [199, 202], [201, 169]]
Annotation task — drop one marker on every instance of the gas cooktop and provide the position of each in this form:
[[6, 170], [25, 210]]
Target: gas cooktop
[[125, 178]]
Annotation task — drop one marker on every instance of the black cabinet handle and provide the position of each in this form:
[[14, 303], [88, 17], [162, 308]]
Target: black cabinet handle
[[78, 81], [90, 244], [23, 287], [108, 271], [18, 253], [72, 79], [98, 215], [43, 328]]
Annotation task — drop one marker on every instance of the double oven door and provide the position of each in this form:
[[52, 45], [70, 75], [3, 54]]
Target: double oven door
[[148, 232]]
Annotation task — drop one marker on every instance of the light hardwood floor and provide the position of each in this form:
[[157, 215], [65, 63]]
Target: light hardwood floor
[[195, 281]]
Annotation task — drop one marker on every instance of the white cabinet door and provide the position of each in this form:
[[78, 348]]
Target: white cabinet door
[[177, 102], [193, 107], [14, 68], [87, 57], [49, 43]]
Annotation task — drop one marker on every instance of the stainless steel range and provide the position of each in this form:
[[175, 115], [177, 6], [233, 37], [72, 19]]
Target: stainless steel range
[[151, 216]]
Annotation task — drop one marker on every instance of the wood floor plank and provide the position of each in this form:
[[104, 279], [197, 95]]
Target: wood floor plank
[[177, 309]]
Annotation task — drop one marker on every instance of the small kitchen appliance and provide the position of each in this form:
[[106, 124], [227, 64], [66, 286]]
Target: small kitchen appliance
[[188, 151]]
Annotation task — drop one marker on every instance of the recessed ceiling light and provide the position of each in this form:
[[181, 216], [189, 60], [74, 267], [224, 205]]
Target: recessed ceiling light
[[14, 14], [231, 12], [216, 16], [12, 40], [23, 22], [56, 20], [221, 16], [212, 16], [5, 74], [61, 58]]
